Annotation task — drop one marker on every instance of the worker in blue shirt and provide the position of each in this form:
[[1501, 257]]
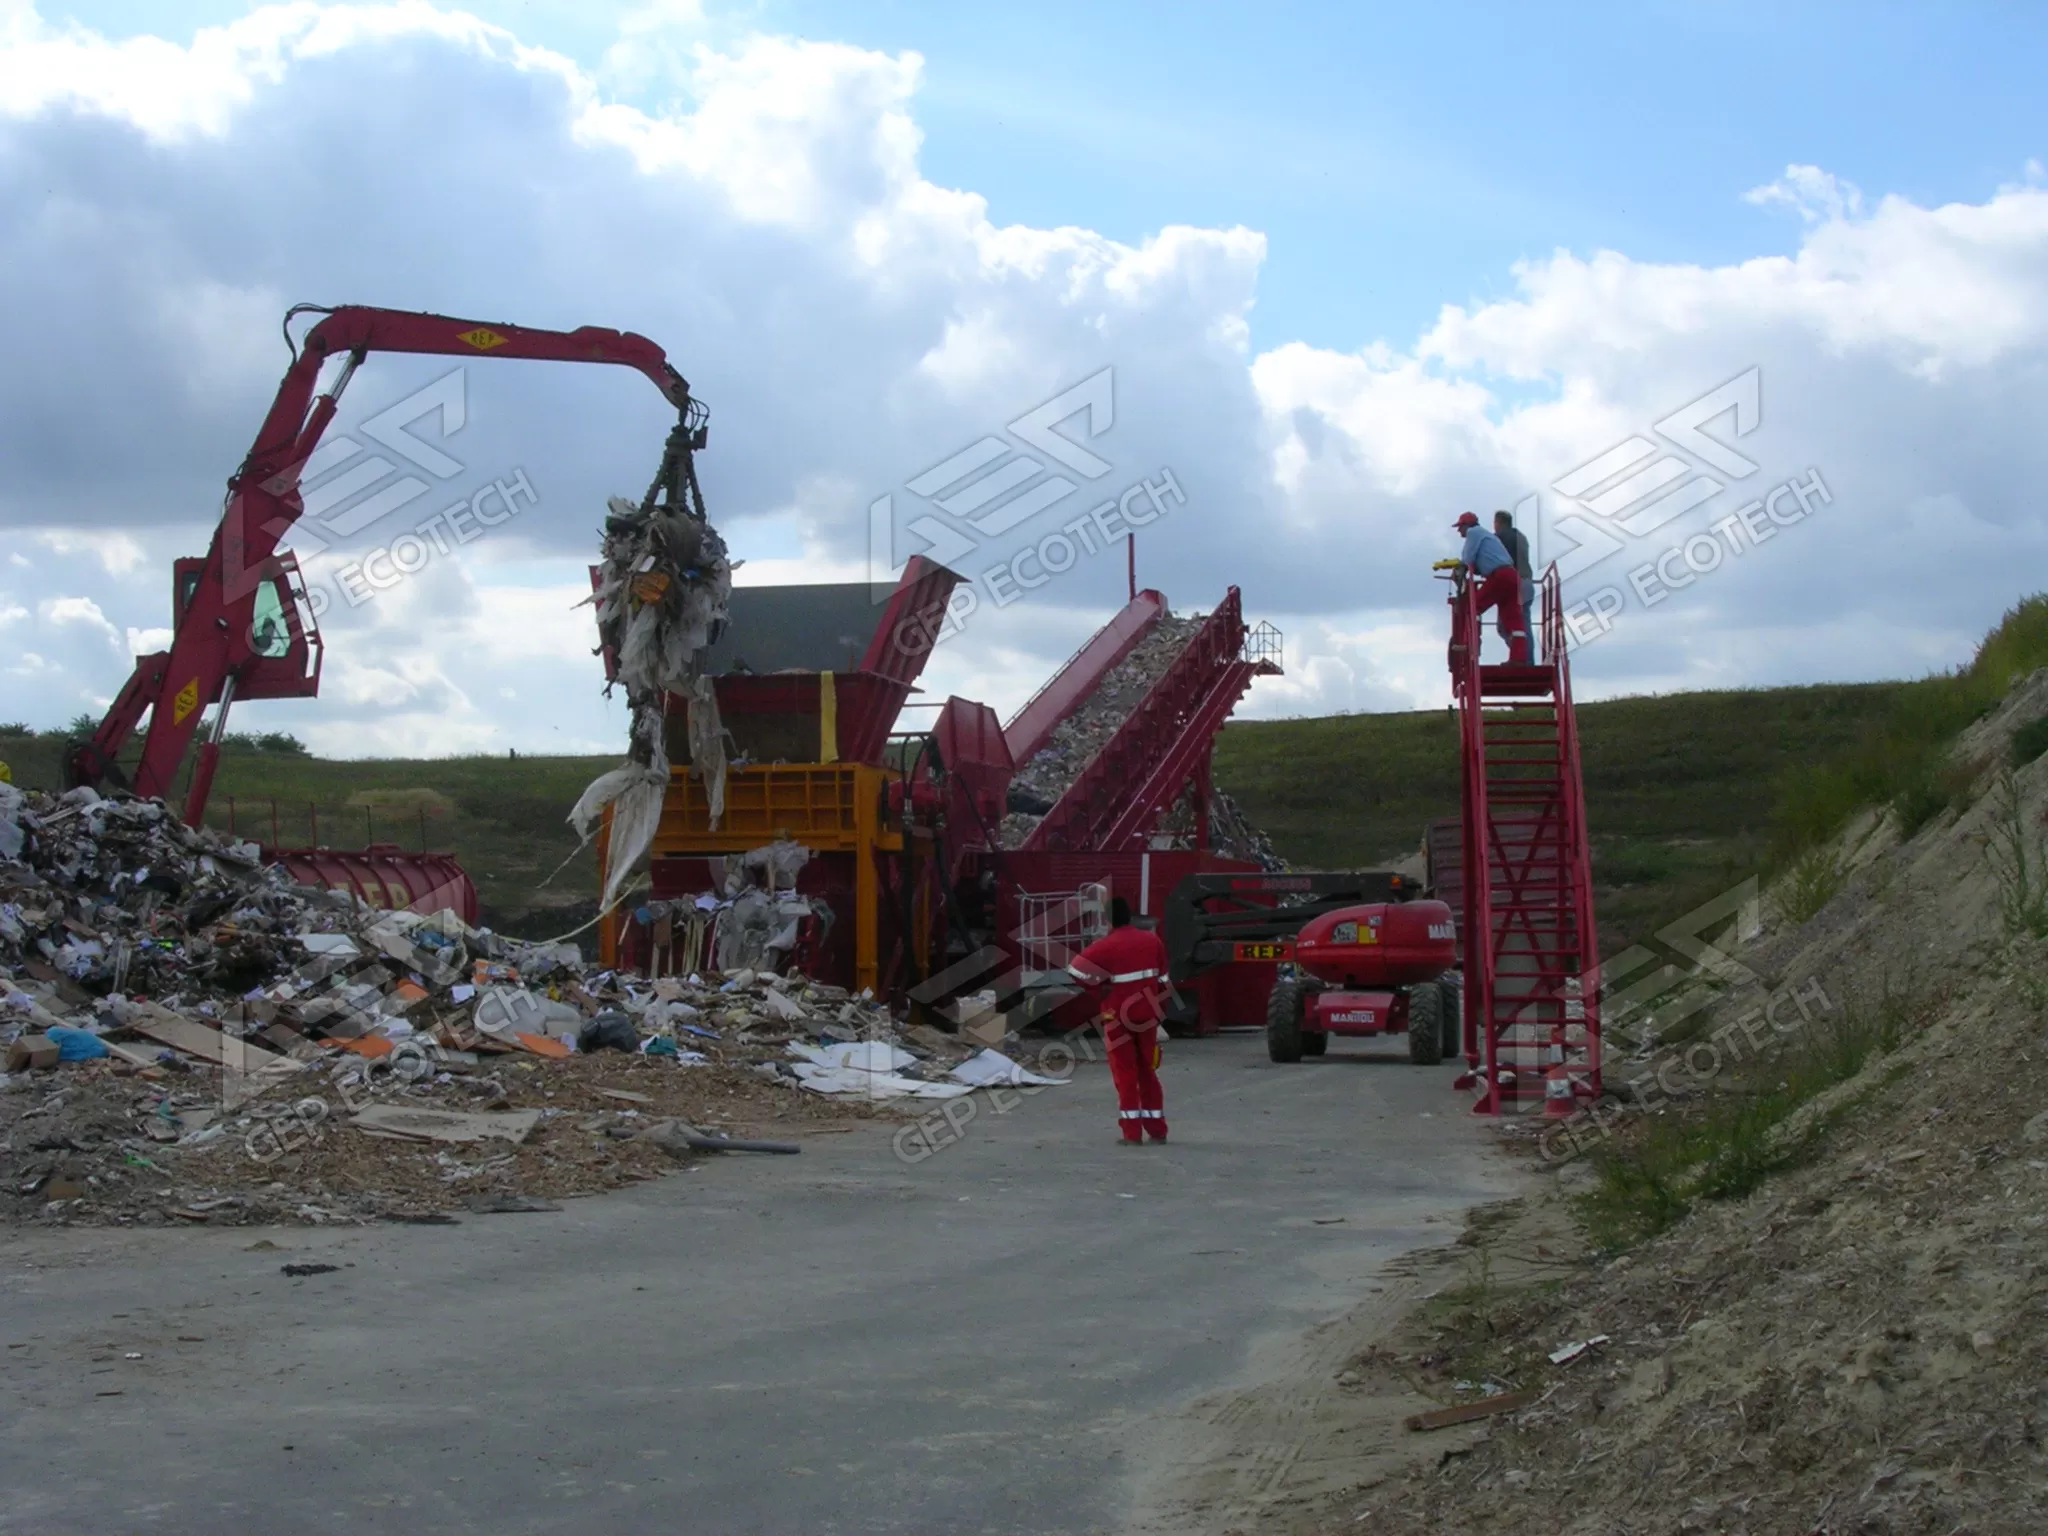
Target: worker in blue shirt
[[1500, 584]]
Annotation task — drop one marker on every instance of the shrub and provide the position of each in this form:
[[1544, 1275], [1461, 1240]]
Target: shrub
[[1651, 1181], [278, 742], [2019, 863], [2029, 742], [1903, 762]]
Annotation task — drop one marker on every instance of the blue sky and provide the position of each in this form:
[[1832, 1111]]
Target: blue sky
[[1353, 270], [1400, 157]]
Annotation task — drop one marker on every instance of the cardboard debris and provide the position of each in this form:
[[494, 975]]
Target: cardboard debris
[[247, 1019], [987, 1030], [32, 1053], [134, 1055]]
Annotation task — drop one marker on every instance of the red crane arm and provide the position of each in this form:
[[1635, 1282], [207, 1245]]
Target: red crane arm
[[215, 643]]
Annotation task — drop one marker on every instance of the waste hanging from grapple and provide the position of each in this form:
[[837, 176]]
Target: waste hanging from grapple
[[662, 589]]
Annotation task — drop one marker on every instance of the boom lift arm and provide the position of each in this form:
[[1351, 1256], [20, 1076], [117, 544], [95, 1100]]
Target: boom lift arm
[[242, 626]]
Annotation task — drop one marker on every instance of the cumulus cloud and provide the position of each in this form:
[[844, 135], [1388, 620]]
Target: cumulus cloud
[[117, 553], [77, 610], [855, 326]]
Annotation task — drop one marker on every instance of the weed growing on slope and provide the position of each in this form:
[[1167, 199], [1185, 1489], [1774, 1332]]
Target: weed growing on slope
[[1726, 1148], [1480, 1323], [1902, 762], [2019, 863], [2028, 742], [1809, 884]]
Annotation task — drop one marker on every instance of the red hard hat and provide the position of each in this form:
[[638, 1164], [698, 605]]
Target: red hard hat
[[1467, 520]]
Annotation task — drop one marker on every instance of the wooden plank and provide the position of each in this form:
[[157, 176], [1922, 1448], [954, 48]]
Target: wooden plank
[[201, 1041], [196, 1039], [1465, 1413], [513, 1125]]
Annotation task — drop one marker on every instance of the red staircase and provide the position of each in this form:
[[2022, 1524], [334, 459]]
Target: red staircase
[[1165, 745], [1532, 1020]]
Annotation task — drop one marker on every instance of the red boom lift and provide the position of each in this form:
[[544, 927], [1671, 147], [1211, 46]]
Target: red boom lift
[[244, 628]]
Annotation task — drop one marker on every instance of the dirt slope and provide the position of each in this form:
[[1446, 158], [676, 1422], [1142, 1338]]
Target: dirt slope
[[1861, 1345]]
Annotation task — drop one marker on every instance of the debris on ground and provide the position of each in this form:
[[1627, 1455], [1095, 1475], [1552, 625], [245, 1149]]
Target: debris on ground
[[190, 1037]]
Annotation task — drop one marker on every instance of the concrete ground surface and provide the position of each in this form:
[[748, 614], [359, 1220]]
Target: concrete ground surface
[[1000, 1338]]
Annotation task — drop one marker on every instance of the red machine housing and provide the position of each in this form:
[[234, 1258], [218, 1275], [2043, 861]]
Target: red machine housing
[[386, 875], [928, 904], [1367, 957]]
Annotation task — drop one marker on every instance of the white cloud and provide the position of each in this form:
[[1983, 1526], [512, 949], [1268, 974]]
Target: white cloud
[[75, 610], [171, 92], [654, 45], [1818, 196], [852, 324], [117, 553]]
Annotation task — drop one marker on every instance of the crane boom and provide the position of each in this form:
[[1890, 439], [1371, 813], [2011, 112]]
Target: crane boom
[[242, 627]]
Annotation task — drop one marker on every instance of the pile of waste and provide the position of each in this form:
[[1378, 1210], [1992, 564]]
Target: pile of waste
[[190, 1037], [1231, 832]]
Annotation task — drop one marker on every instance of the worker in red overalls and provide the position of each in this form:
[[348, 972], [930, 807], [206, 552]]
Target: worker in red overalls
[[1128, 965], [1499, 583]]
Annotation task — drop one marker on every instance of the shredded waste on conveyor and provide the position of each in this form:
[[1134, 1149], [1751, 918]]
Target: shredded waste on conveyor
[[1039, 783]]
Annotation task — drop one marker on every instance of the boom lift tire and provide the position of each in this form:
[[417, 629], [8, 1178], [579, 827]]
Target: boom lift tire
[[1454, 1017], [1425, 1024], [1283, 1021]]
